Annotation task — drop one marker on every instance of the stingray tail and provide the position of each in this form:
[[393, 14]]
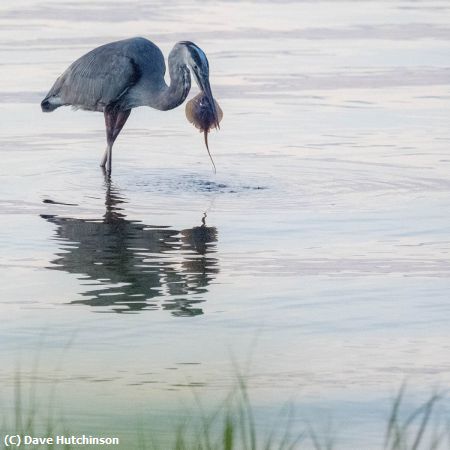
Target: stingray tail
[[205, 134]]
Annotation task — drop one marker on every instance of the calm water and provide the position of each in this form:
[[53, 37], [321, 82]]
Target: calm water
[[320, 248]]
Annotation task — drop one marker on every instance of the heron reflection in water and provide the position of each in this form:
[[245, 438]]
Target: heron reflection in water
[[135, 266]]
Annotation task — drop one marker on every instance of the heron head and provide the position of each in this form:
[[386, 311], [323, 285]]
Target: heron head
[[199, 67]]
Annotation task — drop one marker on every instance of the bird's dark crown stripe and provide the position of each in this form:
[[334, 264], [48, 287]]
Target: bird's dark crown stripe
[[197, 53]]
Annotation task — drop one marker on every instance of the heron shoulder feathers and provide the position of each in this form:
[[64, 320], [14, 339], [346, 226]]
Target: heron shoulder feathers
[[105, 74]]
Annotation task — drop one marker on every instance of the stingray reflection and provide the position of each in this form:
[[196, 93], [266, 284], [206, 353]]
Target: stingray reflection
[[135, 266]]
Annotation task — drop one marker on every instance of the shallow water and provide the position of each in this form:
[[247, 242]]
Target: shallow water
[[320, 247]]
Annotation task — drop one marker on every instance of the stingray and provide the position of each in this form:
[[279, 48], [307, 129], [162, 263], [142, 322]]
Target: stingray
[[204, 116]]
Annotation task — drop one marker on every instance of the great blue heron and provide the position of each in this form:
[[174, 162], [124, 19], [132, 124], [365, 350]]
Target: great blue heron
[[119, 76]]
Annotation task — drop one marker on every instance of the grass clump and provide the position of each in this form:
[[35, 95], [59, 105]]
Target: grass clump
[[232, 426], [418, 429]]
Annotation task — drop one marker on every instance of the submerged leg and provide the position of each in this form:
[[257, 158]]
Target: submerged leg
[[114, 121]]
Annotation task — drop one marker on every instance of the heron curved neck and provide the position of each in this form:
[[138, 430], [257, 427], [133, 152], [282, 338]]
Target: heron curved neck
[[180, 83]]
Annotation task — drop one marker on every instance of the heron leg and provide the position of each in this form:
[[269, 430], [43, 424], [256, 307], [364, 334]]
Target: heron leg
[[105, 157], [114, 121], [110, 120]]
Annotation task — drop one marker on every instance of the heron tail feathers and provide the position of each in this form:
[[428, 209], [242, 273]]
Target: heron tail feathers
[[49, 104]]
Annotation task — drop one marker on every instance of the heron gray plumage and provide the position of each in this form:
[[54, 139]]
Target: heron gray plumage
[[117, 77]]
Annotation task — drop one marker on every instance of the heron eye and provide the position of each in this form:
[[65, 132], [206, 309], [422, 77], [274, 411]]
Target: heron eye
[[195, 67]]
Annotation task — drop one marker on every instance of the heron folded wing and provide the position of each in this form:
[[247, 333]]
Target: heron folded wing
[[96, 80]]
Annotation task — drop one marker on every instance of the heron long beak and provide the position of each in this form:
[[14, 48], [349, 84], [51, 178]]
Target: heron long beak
[[206, 88]]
